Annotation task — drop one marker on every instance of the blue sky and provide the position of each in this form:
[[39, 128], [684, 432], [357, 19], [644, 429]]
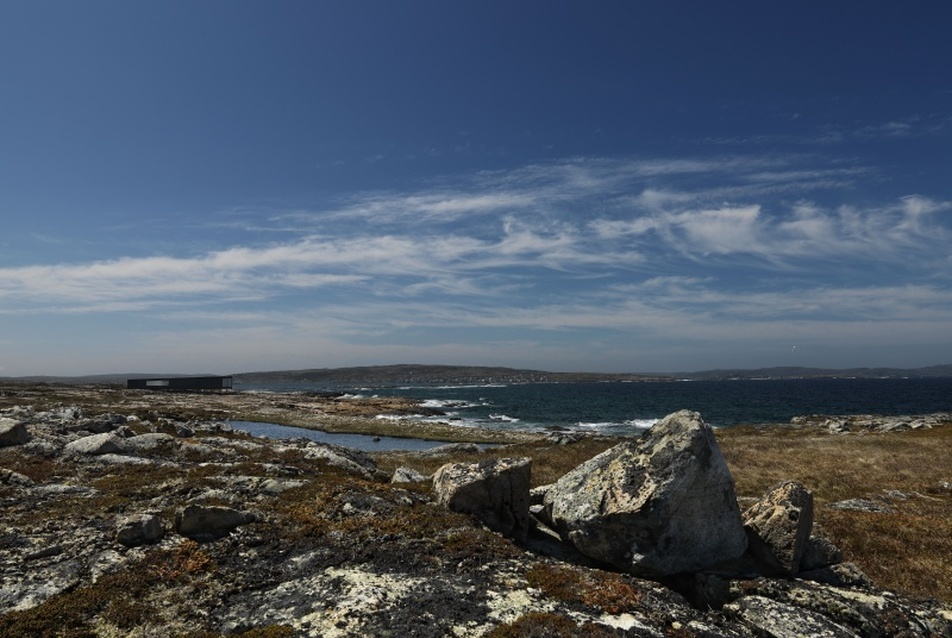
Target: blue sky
[[229, 186]]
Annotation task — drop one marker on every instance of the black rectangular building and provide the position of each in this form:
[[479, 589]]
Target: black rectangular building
[[182, 384]]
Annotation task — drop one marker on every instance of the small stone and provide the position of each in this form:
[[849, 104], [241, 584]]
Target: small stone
[[407, 475], [12, 433], [140, 529], [819, 552], [204, 522]]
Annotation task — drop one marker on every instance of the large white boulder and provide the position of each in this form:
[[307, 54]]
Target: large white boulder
[[658, 505]]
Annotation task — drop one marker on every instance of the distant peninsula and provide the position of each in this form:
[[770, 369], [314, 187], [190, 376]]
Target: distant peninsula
[[421, 374], [396, 375]]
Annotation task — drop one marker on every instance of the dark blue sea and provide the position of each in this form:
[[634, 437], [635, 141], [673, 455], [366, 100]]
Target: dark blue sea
[[627, 408]]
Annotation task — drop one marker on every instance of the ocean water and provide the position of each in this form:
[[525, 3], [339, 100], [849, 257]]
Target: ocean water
[[628, 408]]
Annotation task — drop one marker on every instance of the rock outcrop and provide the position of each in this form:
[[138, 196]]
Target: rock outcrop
[[497, 492], [659, 505]]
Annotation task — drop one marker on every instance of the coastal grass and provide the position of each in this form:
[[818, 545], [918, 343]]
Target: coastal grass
[[907, 548], [549, 461]]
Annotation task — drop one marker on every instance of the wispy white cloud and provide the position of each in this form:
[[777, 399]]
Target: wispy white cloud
[[723, 249]]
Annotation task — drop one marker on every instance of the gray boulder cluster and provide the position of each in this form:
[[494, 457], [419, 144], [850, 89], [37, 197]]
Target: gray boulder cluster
[[659, 506], [236, 534], [871, 422], [663, 506]]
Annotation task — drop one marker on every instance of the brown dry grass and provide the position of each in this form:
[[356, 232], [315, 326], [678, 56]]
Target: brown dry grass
[[909, 550], [549, 462]]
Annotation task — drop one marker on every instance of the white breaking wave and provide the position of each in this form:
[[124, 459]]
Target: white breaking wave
[[440, 404], [613, 427]]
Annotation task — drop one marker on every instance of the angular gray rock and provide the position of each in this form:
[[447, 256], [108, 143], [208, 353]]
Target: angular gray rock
[[9, 477], [140, 529], [819, 552], [406, 475], [12, 433], [204, 522], [347, 459], [94, 445], [779, 526], [654, 506], [497, 492]]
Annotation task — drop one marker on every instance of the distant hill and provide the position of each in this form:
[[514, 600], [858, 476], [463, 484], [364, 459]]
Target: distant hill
[[412, 374], [417, 374], [790, 372]]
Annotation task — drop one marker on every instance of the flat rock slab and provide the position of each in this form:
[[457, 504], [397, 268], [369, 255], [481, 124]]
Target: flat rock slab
[[775, 619], [94, 445]]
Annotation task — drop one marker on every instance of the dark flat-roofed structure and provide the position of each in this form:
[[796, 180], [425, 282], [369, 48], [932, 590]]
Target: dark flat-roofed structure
[[181, 384]]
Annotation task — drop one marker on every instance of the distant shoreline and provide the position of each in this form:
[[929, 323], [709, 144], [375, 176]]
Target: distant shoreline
[[421, 374]]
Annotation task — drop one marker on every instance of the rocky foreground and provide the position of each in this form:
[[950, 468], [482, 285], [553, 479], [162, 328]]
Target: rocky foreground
[[141, 523]]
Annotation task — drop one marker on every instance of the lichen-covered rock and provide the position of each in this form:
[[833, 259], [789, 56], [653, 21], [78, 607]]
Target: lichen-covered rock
[[779, 526], [12, 433], [148, 442], [774, 619], [658, 505], [94, 445], [497, 492], [9, 477]]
